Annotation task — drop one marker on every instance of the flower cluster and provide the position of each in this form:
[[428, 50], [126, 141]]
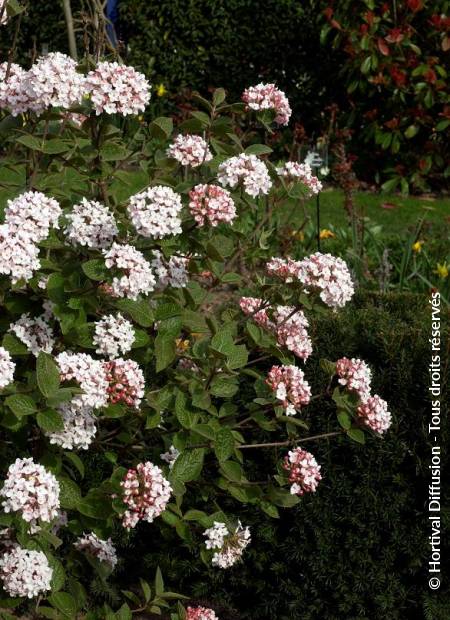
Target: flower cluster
[[25, 572], [91, 224], [117, 89], [228, 545], [156, 212], [53, 81], [33, 213], [79, 427], [211, 204], [35, 333], [322, 273], [136, 275], [170, 456], [28, 219], [355, 375], [247, 170], [96, 547], [200, 613], [89, 374], [31, 490], [171, 271], [304, 472], [145, 493], [374, 414], [268, 97], [302, 173], [126, 382], [288, 325], [13, 96], [190, 150], [7, 367], [290, 387], [113, 336], [291, 331]]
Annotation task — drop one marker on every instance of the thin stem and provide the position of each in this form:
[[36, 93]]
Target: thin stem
[[289, 442], [70, 29]]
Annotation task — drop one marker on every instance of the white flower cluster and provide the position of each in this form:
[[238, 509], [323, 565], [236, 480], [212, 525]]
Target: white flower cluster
[[25, 572], [322, 273], [117, 89], [34, 214], [35, 333], [155, 212], [247, 170], [170, 456], [7, 367], [31, 490], [355, 375], [13, 96], [145, 493], [170, 272], [290, 387], [190, 150], [79, 427], [89, 374], [96, 547], [293, 171], [268, 97], [137, 277], [228, 545], [113, 336], [91, 224], [28, 219], [53, 81]]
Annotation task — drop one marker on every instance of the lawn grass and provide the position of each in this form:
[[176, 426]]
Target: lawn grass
[[406, 212]]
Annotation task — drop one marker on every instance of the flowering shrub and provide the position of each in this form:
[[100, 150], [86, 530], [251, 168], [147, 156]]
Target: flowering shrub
[[119, 241]]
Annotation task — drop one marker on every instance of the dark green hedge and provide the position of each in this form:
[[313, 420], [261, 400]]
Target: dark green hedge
[[357, 549]]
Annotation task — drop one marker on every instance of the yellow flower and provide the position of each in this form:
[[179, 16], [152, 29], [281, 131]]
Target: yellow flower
[[442, 270], [326, 234], [298, 234], [181, 345], [161, 90], [417, 246]]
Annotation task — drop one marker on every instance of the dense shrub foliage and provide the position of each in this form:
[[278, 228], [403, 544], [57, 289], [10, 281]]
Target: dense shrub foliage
[[146, 329]]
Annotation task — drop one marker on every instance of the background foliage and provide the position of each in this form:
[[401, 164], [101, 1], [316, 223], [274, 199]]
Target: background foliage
[[382, 64]]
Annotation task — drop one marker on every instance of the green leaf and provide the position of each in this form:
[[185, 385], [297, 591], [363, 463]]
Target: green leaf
[[344, 420], [20, 404], [357, 435], [69, 493], [64, 602], [139, 310], [328, 367], [58, 576], [113, 152], [95, 269], [165, 351], [258, 149], [218, 96], [231, 470], [283, 498], [95, 505], [411, 131], [188, 465], [14, 345], [161, 128], [50, 420], [159, 582], [224, 388], [76, 462], [224, 444], [47, 374]]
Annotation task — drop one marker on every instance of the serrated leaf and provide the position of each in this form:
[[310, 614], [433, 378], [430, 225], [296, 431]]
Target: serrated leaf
[[95, 269], [188, 465], [69, 494], [224, 444], [165, 351]]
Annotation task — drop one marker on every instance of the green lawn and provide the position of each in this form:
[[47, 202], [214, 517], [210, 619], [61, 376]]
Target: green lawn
[[406, 212]]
